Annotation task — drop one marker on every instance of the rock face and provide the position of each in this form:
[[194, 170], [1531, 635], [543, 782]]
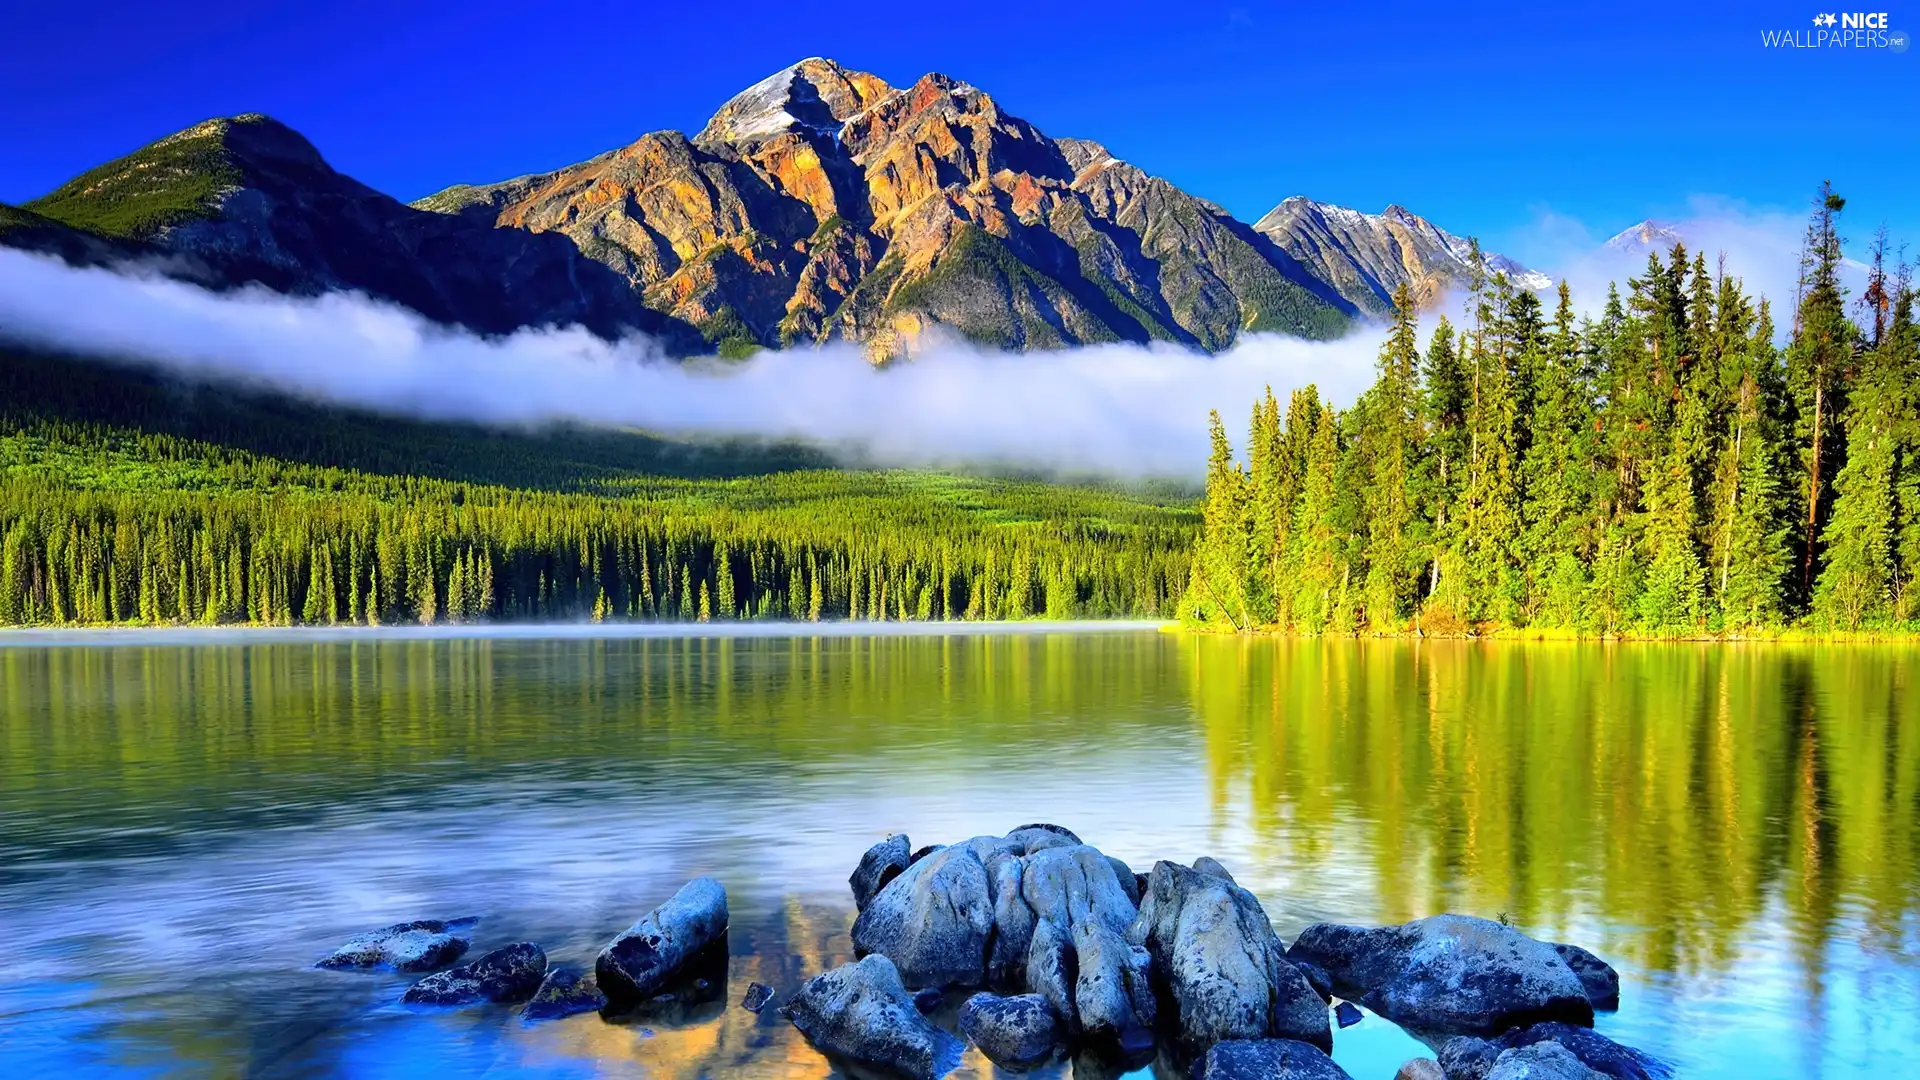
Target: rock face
[[861, 1011], [1014, 1032], [1597, 977], [1224, 968], [421, 945], [1470, 1058], [1367, 256], [564, 992], [1267, 1059], [646, 958], [247, 200], [1448, 974], [506, 975], [882, 863]]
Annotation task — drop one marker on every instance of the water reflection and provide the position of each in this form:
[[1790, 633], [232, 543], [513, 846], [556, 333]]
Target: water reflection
[[184, 828]]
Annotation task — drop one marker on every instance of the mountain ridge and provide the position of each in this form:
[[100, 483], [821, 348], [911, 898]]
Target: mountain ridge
[[818, 204]]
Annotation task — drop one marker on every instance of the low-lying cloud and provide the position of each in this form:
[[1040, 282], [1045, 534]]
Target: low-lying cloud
[[1125, 410]]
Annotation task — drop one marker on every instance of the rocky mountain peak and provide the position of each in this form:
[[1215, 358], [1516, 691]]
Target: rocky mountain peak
[[813, 97], [1646, 236]]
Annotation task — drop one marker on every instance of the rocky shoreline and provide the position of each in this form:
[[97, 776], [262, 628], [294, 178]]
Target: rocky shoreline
[[1055, 951]]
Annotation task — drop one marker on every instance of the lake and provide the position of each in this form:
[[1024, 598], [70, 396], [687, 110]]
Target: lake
[[187, 823]]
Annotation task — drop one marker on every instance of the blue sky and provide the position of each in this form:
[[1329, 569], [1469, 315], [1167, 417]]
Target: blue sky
[[1488, 119]]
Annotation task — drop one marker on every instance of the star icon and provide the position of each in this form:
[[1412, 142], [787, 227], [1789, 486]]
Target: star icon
[[1830, 20]]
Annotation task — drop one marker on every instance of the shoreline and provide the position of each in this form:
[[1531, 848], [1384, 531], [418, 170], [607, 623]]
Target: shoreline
[[47, 637]]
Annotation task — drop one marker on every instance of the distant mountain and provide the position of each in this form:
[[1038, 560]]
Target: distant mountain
[[822, 203], [1648, 236], [248, 200], [1367, 256]]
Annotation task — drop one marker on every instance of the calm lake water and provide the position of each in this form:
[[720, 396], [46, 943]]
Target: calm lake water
[[186, 827]]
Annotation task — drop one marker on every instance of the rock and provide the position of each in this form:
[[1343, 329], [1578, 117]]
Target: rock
[[933, 921], [1346, 1014], [1112, 988], [882, 863], [1595, 1051], [1014, 1032], [1267, 1059], [509, 974], [1129, 881], [1466, 1057], [1068, 884], [1448, 974], [421, 945], [1597, 977], [928, 1001], [1012, 923], [861, 1011], [644, 959], [1207, 864], [1062, 836], [564, 992], [1317, 978], [1540, 1061], [1052, 970], [1222, 964], [921, 853], [758, 994], [1421, 1069]]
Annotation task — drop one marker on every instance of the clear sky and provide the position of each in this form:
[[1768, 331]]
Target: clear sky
[[1486, 118]]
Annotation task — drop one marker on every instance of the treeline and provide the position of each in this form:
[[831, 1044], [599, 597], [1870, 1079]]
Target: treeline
[[102, 523], [1664, 469]]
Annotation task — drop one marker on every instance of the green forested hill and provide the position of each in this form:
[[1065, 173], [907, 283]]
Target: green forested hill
[[125, 497]]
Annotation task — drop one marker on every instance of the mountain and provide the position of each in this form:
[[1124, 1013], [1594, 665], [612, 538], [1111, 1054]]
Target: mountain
[[1648, 236], [819, 204], [1366, 256], [248, 200], [822, 203]]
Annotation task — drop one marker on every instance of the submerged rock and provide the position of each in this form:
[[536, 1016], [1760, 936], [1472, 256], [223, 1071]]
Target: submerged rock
[[564, 992], [758, 994], [507, 975], [421, 945], [1541, 1061], [1222, 964], [1448, 974], [653, 952], [861, 1011], [1346, 1014], [882, 863], [1596, 976], [1469, 1058], [1267, 1059], [1014, 1032]]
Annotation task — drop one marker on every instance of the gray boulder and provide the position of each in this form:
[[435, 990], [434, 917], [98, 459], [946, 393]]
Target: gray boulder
[[1420, 1069], [1267, 1059], [1129, 881], [1071, 883], [882, 863], [1207, 864], [650, 954], [1012, 922], [1447, 974], [1469, 1058], [1541, 1061], [506, 975], [757, 996], [1223, 966], [1053, 970], [1014, 1032], [933, 921], [421, 945], [862, 1012], [1112, 988], [1597, 977], [564, 992]]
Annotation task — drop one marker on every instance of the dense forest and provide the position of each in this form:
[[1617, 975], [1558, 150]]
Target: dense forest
[[129, 498], [1666, 468]]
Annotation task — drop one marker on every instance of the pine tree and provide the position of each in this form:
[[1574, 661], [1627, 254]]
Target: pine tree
[[1817, 361], [1389, 446]]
